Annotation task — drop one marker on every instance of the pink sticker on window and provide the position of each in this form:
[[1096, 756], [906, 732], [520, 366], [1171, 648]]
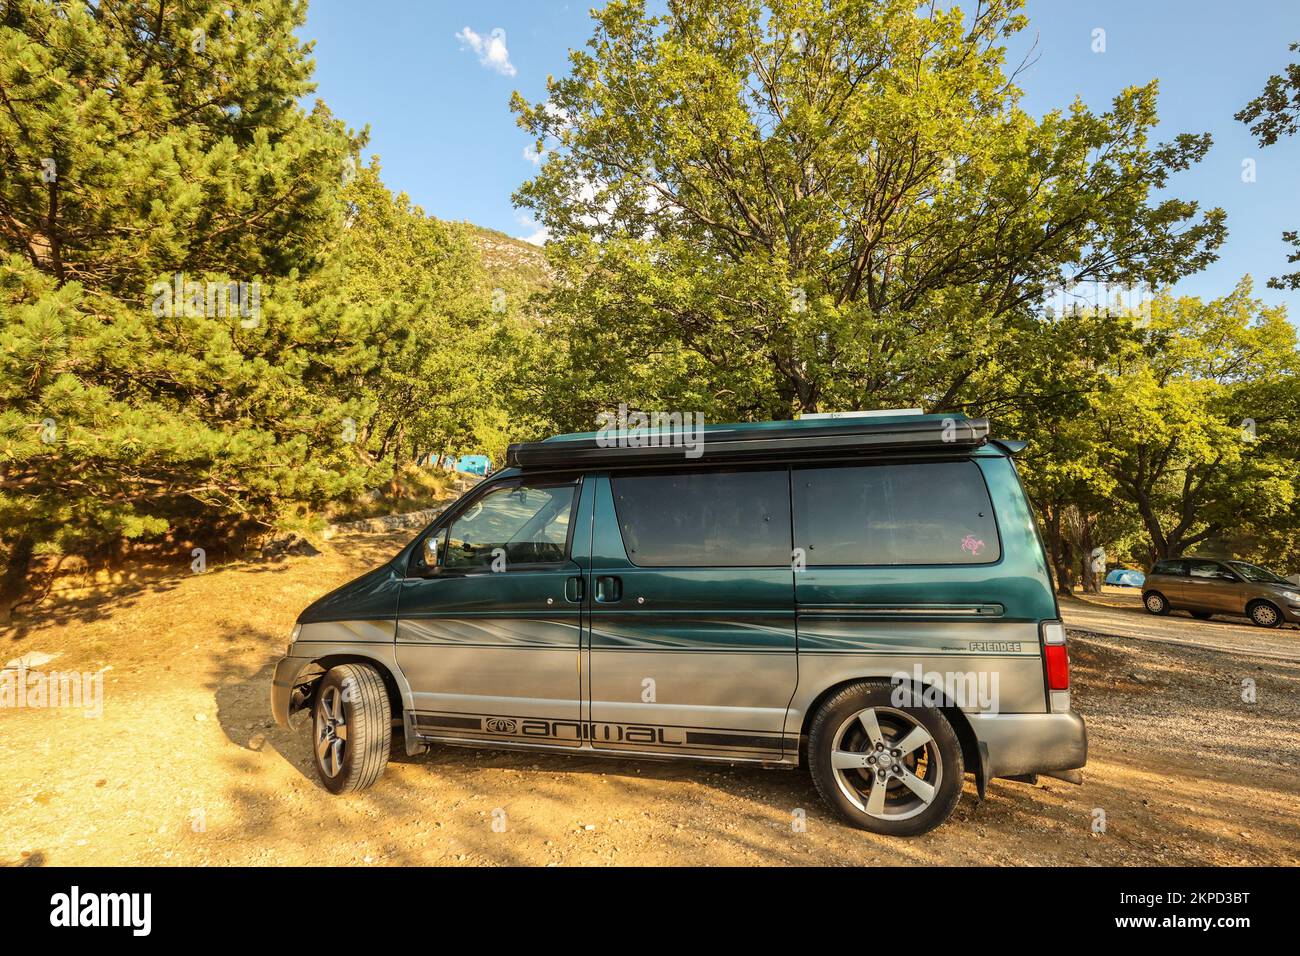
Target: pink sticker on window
[[972, 544]]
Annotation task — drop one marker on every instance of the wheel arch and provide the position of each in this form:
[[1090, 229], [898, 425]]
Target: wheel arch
[[961, 725], [309, 676]]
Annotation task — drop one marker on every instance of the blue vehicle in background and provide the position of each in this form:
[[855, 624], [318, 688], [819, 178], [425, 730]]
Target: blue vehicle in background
[[473, 465], [1126, 578]]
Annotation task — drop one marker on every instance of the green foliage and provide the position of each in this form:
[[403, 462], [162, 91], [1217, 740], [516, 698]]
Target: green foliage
[[838, 204], [1177, 421], [1197, 428], [137, 396], [1273, 114], [171, 150], [756, 211], [762, 210], [400, 302], [139, 154]]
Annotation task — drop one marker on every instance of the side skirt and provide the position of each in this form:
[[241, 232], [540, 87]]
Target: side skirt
[[586, 750]]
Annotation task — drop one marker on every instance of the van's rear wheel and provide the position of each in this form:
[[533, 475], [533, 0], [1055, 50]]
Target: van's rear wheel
[[885, 768], [351, 728], [1155, 602]]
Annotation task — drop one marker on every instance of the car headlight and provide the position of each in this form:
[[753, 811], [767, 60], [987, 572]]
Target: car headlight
[[293, 637], [1291, 596]]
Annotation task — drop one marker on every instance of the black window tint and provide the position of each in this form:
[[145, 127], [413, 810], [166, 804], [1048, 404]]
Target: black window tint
[[705, 519], [936, 513], [1169, 567], [524, 524]]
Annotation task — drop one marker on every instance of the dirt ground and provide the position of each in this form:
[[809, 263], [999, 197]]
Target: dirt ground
[[186, 767]]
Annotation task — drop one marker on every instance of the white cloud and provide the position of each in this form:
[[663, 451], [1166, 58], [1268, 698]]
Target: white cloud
[[532, 155], [540, 233], [490, 50], [557, 113]]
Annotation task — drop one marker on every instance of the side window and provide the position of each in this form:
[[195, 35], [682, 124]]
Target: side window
[[935, 513], [705, 518], [1208, 569], [1169, 567], [523, 524]]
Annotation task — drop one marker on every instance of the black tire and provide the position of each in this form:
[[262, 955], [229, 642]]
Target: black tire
[[1155, 603], [1201, 615], [354, 697], [936, 763], [1264, 614]]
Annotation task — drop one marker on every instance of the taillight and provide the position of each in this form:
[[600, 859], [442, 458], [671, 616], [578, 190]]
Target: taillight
[[1056, 658], [1058, 667]]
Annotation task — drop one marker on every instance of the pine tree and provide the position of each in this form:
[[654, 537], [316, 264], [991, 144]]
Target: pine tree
[[158, 179]]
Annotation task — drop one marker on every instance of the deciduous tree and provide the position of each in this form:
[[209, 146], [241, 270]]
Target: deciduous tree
[[831, 203]]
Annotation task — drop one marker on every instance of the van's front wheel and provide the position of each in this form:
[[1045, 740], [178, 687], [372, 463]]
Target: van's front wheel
[[886, 768], [351, 728]]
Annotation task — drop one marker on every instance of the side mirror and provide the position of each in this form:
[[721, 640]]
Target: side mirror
[[431, 553]]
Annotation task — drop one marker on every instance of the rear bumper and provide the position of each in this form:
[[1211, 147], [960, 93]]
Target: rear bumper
[[1013, 744], [282, 684]]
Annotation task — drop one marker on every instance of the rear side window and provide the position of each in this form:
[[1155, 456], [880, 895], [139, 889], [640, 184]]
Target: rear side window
[[1170, 567], [705, 518], [934, 513]]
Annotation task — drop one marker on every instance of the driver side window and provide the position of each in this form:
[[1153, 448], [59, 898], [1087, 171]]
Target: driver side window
[[515, 525]]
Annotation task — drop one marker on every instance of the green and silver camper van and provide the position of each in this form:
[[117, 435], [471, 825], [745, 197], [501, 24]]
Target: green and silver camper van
[[865, 596]]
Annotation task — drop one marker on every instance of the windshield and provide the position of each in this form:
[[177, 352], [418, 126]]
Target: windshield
[[1255, 573]]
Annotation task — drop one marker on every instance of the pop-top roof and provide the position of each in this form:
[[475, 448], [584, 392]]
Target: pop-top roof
[[752, 440]]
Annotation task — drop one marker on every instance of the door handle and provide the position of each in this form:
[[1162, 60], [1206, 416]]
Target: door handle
[[575, 589], [609, 589]]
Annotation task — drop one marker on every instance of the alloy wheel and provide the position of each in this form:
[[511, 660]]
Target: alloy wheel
[[1264, 614], [331, 731], [886, 763]]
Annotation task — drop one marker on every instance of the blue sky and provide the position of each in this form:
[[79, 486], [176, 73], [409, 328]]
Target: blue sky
[[436, 99]]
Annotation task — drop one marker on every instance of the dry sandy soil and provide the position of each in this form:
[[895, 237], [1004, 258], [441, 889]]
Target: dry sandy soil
[[186, 767]]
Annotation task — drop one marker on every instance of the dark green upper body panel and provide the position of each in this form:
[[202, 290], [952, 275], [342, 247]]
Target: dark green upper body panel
[[1015, 587], [371, 597]]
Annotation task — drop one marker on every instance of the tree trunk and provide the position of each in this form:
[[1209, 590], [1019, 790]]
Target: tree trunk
[[398, 444], [1085, 558], [388, 440], [1160, 545], [1055, 550], [14, 583]]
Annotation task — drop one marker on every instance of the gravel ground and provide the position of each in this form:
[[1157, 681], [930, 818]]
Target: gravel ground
[[1119, 612], [185, 766]]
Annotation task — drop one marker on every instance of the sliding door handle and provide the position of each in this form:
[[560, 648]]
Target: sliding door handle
[[609, 589]]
